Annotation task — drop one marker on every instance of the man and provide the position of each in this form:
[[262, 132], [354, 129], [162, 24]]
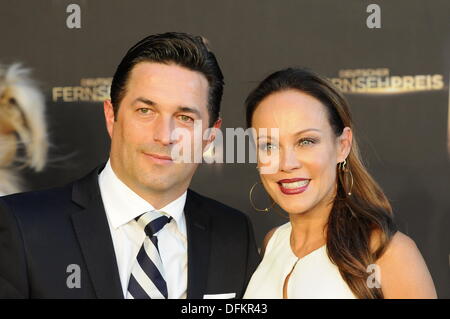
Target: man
[[132, 228]]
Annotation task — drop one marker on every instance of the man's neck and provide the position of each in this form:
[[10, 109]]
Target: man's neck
[[158, 199], [161, 199]]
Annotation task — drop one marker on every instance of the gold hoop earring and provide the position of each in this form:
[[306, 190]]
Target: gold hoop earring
[[345, 170], [265, 210]]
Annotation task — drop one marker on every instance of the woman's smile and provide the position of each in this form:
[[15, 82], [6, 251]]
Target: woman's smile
[[293, 186]]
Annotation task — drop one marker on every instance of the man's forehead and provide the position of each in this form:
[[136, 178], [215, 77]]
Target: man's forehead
[[159, 73], [169, 84]]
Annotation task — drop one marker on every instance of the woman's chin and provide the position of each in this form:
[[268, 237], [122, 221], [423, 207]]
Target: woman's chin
[[293, 209]]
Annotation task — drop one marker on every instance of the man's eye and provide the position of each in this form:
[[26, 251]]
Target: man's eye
[[185, 118], [144, 110]]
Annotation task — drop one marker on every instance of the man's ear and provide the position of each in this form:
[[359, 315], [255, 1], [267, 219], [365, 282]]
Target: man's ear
[[212, 133], [345, 142], [109, 116]]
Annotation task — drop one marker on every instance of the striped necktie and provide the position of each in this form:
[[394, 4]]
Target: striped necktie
[[147, 275]]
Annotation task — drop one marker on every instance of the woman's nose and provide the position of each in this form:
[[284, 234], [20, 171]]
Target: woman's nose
[[289, 161]]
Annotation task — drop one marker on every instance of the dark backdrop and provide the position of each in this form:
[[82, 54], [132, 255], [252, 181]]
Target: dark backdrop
[[403, 136]]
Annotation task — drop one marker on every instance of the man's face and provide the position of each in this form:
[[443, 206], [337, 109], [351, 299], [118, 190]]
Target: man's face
[[159, 99]]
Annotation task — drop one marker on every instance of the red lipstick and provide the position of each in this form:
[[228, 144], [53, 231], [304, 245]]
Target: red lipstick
[[293, 189]]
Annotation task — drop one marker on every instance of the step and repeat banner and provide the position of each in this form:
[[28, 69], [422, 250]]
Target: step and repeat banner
[[390, 58]]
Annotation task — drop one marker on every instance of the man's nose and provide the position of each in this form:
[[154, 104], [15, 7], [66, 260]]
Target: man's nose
[[163, 131]]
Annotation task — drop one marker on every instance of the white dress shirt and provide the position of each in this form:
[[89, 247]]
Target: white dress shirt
[[122, 206]]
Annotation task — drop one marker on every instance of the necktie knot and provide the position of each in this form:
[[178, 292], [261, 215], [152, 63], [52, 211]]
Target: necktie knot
[[153, 222]]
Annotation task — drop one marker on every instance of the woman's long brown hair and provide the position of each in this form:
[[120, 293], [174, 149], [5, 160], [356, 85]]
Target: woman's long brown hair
[[356, 221]]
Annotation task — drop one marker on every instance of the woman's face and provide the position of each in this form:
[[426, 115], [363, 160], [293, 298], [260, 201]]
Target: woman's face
[[303, 155]]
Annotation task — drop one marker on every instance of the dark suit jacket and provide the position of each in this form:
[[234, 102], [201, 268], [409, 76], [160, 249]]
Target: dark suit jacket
[[43, 232]]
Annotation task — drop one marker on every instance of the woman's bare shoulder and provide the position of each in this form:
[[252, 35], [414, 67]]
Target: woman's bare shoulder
[[404, 273]]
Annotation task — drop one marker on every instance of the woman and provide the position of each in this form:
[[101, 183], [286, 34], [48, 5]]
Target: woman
[[341, 240]]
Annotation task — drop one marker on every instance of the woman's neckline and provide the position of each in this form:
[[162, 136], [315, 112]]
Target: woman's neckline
[[304, 256]]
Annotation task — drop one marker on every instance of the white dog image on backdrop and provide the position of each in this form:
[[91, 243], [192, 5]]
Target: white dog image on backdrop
[[23, 129]]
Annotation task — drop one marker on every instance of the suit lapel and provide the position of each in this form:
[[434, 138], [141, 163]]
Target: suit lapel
[[198, 231], [92, 230]]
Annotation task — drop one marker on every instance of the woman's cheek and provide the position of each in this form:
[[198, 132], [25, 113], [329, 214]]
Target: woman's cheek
[[268, 164]]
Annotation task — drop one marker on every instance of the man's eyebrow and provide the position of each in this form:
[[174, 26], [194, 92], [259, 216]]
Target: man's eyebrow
[[298, 133], [181, 108], [189, 109], [145, 101]]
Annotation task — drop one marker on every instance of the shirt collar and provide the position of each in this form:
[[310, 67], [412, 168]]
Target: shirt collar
[[122, 205]]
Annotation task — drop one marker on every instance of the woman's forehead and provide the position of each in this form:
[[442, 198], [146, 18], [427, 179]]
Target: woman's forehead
[[290, 110]]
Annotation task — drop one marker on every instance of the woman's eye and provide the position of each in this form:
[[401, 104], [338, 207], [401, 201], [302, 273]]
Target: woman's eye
[[185, 118], [306, 142], [267, 147]]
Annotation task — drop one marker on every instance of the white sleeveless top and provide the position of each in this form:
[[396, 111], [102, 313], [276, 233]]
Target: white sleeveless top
[[313, 276]]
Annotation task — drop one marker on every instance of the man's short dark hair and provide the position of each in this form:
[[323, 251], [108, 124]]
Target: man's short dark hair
[[183, 49]]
